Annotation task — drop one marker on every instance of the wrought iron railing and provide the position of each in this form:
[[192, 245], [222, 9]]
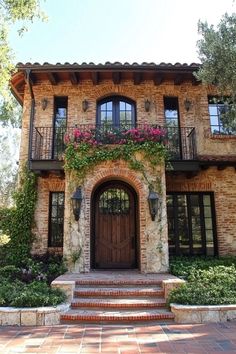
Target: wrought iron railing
[[49, 143]]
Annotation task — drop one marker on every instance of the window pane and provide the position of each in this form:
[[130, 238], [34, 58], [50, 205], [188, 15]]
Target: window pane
[[128, 107], [171, 114], [213, 110], [122, 105], [56, 220], [103, 116], [109, 106], [214, 120], [190, 224]]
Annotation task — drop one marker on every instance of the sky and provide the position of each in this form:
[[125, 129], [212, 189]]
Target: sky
[[117, 30]]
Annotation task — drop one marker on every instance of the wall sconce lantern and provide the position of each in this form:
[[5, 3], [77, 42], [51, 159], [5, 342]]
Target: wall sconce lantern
[[153, 200], [76, 202], [187, 104], [147, 105], [85, 105], [44, 103]]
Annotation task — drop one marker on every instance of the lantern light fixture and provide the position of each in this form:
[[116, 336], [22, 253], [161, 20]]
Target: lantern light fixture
[[85, 105], [147, 105], [44, 103], [187, 104], [153, 201], [76, 200]]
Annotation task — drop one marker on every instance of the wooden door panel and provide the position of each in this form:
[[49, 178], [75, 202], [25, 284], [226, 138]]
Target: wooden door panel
[[115, 227]]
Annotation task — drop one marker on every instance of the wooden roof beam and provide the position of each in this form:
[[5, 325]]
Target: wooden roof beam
[[74, 78], [53, 78], [95, 77], [137, 78], [195, 82], [179, 79], [158, 79], [116, 77]]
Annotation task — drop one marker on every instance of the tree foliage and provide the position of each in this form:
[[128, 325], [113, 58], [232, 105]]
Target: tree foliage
[[217, 52], [9, 141], [12, 11]]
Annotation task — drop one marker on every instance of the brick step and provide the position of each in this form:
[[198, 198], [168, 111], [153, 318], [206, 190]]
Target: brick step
[[97, 316], [118, 282], [120, 292], [120, 303]]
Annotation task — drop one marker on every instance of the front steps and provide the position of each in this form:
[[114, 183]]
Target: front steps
[[117, 301]]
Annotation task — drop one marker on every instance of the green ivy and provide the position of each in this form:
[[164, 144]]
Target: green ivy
[[83, 157], [18, 222]]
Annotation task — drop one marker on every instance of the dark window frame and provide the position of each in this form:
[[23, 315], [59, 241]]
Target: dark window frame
[[218, 103], [202, 221], [174, 132], [115, 109], [51, 238], [59, 132]]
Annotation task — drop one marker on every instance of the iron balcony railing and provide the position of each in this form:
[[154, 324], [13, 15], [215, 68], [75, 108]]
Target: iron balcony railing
[[49, 143]]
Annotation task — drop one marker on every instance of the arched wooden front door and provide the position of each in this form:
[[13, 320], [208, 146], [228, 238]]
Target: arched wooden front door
[[114, 226]]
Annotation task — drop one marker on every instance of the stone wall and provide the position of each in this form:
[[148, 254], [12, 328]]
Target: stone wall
[[153, 241], [223, 184]]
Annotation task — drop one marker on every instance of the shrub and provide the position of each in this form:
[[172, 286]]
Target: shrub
[[213, 286], [183, 266], [29, 295]]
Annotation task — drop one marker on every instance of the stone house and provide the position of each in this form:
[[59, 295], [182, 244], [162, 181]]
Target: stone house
[[117, 224]]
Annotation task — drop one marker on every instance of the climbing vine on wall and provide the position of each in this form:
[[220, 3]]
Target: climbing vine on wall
[[85, 150], [18, 222]]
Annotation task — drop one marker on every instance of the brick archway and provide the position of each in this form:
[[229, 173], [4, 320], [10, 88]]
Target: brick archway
[[153, 238], [122, 173]]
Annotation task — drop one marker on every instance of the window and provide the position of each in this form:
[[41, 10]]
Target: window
[[114, 201], [171, 112], [59, 125], [117, 111], [191, 224], [171, 108], [56, 219], [216, 109]]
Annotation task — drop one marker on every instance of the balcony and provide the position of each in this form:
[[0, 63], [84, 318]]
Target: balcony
[[48, 144]]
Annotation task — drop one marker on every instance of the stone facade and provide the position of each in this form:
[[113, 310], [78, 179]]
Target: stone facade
[[153, 238]]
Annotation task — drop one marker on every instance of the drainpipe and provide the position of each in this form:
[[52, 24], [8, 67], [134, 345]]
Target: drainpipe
[[32, 111]]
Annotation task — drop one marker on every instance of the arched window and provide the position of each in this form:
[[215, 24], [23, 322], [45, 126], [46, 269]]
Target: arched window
[[117, 111]]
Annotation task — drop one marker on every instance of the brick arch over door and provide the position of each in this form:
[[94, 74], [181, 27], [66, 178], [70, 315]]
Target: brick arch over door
[[120, 172]]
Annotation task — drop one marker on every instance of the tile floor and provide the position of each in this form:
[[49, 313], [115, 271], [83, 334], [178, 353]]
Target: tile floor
[[121, 339]]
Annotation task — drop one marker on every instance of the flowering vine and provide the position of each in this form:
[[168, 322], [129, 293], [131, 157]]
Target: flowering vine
[[87, 148]]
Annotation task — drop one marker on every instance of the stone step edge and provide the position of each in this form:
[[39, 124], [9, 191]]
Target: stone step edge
[[100, 293], [138, 317], [76, 304], [118, 282]]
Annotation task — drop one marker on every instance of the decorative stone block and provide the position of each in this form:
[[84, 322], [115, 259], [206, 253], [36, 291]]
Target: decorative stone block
[[28, 317], [9, 316], [67, 286], [52, 318], [170, 284]]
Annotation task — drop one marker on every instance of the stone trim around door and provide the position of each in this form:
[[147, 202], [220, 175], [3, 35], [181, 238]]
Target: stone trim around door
[[153, 238]]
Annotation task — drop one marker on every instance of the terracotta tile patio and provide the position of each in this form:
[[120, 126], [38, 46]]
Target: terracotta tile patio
[[120, 339]]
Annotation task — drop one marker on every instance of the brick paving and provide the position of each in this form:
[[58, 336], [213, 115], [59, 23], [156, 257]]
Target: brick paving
[[121, 339]]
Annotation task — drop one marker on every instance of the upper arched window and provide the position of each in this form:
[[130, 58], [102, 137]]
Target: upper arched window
[[116, 110]]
